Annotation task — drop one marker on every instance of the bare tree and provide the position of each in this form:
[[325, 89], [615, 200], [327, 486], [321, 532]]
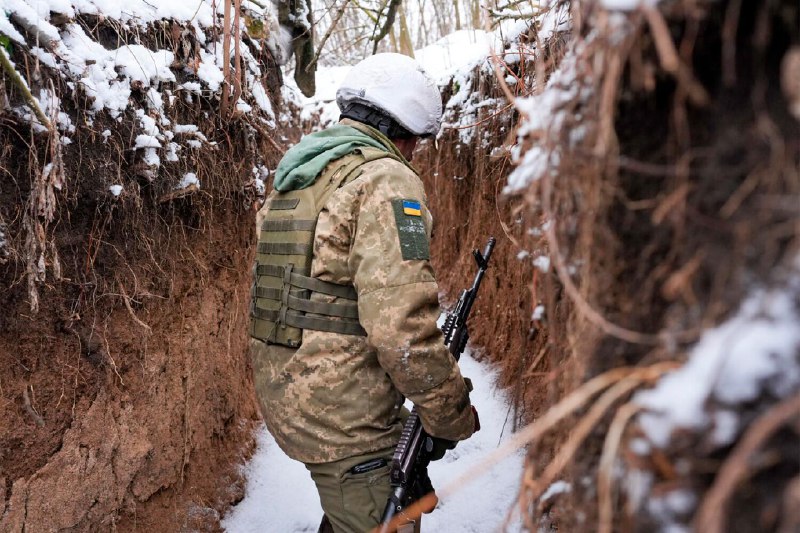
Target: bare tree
[[353, 29], [406, 47]]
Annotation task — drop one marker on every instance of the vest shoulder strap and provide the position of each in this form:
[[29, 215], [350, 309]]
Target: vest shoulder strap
[[347, 169]]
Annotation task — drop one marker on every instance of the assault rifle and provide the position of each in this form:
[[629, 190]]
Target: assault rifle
[[409, 474]]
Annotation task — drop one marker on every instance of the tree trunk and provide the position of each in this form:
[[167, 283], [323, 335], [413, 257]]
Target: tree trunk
[[406, 46]]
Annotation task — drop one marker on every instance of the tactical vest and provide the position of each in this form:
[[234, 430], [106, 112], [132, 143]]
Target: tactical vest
[[281, 307]]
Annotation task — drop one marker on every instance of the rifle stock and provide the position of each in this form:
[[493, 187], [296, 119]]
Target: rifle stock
[[409, 471]]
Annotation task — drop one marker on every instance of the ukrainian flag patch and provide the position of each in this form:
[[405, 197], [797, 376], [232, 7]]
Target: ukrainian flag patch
[[411, 229], [410, 207]]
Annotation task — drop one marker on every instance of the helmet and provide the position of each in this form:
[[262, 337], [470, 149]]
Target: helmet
[[397, 86]]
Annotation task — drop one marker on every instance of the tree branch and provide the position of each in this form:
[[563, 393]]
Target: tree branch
[[327, 35], [387, 25], [17, 80]]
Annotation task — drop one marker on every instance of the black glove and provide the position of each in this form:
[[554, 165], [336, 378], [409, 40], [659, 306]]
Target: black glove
[[435, 447]]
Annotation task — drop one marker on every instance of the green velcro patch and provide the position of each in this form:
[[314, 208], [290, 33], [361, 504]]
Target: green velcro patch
[[411, 230]]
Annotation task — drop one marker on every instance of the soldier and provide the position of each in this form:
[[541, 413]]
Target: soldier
[[345, 302]]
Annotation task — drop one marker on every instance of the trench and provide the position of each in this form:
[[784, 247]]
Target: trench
[[657, 196]]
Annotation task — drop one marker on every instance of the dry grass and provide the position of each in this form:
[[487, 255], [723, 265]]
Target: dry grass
[[616, 383]]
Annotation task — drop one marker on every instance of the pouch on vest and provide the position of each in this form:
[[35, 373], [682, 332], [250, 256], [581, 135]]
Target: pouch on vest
[[281, 307]]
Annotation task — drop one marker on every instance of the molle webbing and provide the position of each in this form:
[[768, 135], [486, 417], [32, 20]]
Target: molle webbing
[[284, 205], [341, 291], [281, 304], [288, 225], [297, 320], [284, 248]]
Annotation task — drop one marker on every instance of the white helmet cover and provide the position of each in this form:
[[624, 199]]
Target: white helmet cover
[[398, 86]]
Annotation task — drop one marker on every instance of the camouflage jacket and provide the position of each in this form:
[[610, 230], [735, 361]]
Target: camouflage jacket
[[339, 396]]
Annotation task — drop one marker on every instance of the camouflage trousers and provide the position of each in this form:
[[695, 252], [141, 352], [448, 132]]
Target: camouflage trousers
[[353, 499]]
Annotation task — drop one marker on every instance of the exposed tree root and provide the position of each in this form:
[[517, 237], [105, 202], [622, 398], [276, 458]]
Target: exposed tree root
[[711, 517], [605, 474]]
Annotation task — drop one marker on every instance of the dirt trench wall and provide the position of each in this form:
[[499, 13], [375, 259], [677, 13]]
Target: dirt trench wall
[[127, 396], [667, 209], [130, 421], [127, 402], [463, 183], [700, 238], [670, 191]]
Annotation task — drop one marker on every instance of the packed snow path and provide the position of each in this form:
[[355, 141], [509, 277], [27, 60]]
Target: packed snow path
[[280, 496]]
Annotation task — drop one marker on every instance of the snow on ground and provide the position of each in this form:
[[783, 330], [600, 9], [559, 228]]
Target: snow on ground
[[455, 52], [281, 497], [324, 100]]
